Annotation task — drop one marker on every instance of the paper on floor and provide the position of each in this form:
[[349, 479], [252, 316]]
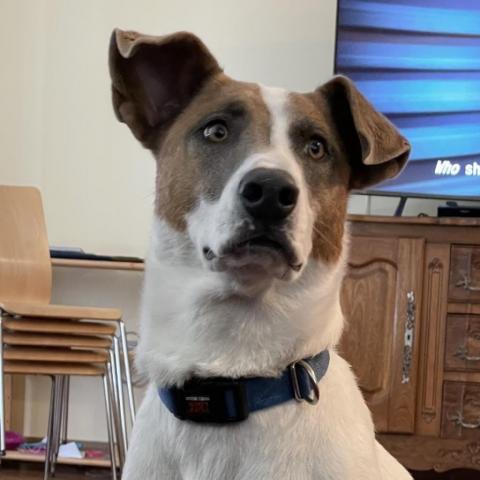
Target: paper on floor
[[70, 450]]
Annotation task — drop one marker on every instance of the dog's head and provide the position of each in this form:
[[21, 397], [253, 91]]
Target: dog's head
[[256, 178]]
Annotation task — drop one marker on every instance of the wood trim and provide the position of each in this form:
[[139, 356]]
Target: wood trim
[[12, 455], [60, 311], [53, 340], [52, 368], [453, 221], [39, 354], [102, 265], [428, 453], [452, 234], [465, 377], [68, 327], [436, 268], [464, 308]]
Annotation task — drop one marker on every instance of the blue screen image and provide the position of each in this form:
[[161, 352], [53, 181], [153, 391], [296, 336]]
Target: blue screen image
[[418, 62]]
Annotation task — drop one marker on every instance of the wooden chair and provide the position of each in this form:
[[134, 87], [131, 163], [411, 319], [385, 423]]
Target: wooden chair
[[79, 338], [25, 309], [62, 365], [60, 350]]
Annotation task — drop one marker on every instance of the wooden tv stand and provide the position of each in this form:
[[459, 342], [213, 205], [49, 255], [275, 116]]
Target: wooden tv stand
[[412, 303]]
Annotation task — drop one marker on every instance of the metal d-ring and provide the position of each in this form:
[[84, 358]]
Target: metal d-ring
[[312, 398]]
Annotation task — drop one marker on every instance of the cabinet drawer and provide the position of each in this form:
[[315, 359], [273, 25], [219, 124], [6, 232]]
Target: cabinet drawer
[[461, 411], [462, 346], [464, 284]]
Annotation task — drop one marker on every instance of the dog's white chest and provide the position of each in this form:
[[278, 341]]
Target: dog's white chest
[[291, 442]]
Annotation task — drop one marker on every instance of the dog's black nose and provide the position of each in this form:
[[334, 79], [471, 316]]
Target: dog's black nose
[[268, 194]]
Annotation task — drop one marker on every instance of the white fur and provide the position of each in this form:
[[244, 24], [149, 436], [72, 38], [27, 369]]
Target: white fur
[[196, 321], [215, 223]]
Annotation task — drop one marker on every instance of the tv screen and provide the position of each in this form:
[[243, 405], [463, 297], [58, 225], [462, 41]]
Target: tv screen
[[418, 62]]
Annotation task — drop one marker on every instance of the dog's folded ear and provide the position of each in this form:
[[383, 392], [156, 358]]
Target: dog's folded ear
[[154, 78], [375, 148]]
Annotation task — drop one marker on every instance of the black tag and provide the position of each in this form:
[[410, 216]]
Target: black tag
[[211, 401], [197, 405]]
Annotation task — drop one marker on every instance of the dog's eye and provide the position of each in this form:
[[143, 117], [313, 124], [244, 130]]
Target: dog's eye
[[315, 148], [216, 132]]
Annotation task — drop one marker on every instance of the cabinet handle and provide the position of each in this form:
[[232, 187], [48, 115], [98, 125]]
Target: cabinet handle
[[462, 353], [408, 337], [458, 420], [466, 283]]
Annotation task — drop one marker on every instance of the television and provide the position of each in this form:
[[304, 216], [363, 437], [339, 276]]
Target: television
[[418, 62]]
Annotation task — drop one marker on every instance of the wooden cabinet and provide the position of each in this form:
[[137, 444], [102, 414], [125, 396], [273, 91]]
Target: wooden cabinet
[[379, 299], [411, 299]]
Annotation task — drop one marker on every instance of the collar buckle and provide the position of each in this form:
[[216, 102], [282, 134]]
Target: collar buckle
[[304, 379]]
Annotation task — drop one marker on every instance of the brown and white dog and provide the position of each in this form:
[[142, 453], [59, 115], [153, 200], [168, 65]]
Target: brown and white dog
[[247, 258]]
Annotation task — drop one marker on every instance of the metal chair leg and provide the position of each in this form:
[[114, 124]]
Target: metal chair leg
[[2, 394], [115, 395], [108, 412], [65, 402], [57, 423], [50, 430], [128, 376], [121, 403]]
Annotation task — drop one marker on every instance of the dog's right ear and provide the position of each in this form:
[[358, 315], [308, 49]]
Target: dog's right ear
[[377, 151], [154, 78]]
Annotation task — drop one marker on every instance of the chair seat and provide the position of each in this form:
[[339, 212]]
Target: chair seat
[[60, 311], [52, 368], [58, 326], [55, 355], [55, 340]]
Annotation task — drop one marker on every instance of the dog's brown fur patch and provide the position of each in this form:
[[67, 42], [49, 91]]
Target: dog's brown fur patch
[[327, 178], [186, 169]]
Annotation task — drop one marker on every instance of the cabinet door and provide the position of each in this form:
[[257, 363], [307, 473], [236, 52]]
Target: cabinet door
[[380, 301], [432, 338]]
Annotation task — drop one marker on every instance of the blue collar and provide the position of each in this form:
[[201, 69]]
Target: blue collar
[[224, 400]]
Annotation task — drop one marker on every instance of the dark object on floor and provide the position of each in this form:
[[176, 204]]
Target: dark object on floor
[[451, 475]]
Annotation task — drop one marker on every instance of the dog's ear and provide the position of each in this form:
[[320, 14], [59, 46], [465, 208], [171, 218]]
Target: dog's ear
[[154, 78], [375, 148]]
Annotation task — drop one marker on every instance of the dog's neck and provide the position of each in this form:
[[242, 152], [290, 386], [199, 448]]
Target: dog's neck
[[196, 322]]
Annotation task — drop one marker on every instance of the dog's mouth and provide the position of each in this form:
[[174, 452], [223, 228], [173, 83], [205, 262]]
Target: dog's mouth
[[267, 251]]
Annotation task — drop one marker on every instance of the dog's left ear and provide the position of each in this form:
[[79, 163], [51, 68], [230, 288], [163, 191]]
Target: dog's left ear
[[154, 78], [375, 148]]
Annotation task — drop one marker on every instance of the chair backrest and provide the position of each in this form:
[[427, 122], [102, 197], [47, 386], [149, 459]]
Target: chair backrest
[[25, 265]]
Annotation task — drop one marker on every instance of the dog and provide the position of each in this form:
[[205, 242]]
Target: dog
[[243, 275]]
